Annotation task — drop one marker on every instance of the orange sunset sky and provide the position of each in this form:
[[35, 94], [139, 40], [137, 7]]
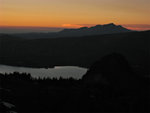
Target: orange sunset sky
[[133, 14]]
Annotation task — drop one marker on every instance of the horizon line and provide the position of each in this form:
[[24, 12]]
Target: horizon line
[[61, 26], [137, 27]]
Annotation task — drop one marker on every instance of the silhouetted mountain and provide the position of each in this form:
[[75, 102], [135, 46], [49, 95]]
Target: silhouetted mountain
[[95, 30], [83, 31], [118, 84], [108, 70]]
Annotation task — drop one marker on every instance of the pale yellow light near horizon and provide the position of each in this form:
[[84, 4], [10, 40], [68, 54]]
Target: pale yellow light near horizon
[[55, 13]]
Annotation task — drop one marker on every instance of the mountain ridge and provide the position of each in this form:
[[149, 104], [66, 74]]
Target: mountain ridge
[[95, 30], [83, 31]]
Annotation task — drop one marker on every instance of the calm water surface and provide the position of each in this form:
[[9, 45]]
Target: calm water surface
[[62, 71]]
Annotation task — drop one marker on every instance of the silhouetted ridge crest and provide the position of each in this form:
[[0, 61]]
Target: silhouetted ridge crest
[[110, 24], [83, 31], [95, 30], [112, 68]]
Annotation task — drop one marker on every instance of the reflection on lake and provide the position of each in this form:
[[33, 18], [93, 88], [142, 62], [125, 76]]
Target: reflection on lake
[[61, 71]]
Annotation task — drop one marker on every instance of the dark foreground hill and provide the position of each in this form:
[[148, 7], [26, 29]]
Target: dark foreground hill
[[76, 51], [110, 85]]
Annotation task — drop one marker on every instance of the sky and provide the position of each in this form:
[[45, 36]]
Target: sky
[[133, 14]]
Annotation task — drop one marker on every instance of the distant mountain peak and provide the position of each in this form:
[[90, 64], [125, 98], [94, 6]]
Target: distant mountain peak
[[110, 24], [110, 28]]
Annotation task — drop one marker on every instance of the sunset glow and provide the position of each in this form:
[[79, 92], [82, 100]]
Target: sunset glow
[[133, 14]]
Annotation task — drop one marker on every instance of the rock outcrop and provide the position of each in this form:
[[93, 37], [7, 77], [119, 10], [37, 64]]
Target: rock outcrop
[[112, 79], [110, 69]]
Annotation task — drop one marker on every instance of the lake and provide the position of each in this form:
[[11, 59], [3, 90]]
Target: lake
[[58, 71]]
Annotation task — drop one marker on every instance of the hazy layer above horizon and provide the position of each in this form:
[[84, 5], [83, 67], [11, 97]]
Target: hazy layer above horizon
[[21, 29], [12, 29]]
